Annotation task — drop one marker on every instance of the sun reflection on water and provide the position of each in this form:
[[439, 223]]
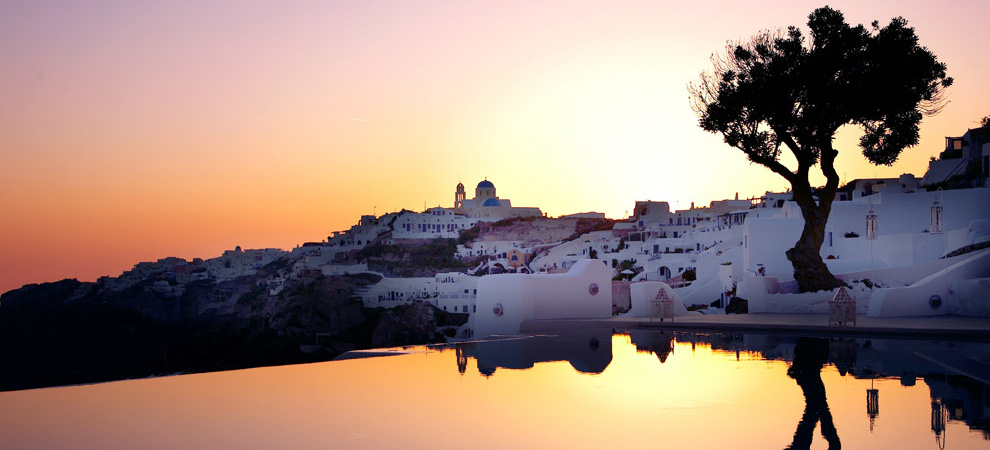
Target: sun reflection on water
[[634, 389]]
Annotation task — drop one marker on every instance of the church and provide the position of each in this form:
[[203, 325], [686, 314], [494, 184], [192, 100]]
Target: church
[[486, 205]]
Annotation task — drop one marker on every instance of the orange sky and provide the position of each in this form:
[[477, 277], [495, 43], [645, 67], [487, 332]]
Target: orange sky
[[135, 131]]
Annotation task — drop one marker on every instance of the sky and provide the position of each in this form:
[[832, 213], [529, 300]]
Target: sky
[[133, 131]]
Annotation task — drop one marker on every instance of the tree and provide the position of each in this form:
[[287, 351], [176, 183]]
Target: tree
[[985, 121], [777, 92]]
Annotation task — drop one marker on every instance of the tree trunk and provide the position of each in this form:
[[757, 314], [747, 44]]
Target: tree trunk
[[810, 271]]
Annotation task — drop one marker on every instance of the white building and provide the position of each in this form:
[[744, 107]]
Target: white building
[[451, 291], [433, 223], [925, 256], [361, 234], [969, 152], [506, 300], [486, 205], [238, 263], [904, 237]]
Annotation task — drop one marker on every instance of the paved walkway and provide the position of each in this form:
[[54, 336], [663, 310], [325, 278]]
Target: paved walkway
[[954, 327]]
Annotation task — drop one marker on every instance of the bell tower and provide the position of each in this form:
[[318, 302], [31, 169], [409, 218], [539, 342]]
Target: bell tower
[[459, 196]]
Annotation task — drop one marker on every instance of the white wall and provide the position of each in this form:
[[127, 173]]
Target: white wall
[[543, 296], [901, 220], [914, 300], [642, 294]]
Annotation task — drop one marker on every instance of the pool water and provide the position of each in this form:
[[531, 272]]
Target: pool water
[[594, 389]]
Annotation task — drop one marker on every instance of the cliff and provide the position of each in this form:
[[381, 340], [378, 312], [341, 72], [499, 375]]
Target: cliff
[[70, 332]]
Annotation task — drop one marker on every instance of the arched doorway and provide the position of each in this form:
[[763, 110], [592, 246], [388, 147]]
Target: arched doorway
[[663, 273]]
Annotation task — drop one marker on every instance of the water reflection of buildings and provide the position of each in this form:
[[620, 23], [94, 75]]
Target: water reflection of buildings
[[588, 351], [956, 373], [656, 342]]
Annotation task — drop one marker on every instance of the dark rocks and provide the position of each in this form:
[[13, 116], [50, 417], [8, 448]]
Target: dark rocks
[[72, 332]]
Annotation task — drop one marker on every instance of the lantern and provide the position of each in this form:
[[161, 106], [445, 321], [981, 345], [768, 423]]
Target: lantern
[[872, 404], [937, 225], [871, 224], [940, 415], [842, 308]]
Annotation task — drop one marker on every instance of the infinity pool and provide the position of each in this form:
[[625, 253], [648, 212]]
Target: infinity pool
[[595, 390]]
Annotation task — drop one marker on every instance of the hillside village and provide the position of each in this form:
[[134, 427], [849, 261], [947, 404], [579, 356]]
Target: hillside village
[[904, 246], [705, 252]]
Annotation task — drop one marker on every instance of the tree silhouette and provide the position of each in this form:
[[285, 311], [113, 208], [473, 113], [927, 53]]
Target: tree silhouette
[[777, 92]]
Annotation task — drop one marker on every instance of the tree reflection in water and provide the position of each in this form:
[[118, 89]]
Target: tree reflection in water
[[810, 355]]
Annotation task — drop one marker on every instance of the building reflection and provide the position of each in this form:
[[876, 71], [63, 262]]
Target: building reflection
[[658, 343], [462, 358], [957, 373], [958, 398], [588, 351]]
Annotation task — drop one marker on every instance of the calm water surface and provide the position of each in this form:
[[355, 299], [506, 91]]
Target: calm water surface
[[595, 390]]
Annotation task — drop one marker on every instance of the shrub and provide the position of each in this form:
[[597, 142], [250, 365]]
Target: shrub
[[689, 275]]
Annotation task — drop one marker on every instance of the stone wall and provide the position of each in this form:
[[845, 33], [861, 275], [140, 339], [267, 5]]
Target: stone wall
[[620, 296]]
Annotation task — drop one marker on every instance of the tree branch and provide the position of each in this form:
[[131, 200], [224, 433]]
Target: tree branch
[[771, 164]]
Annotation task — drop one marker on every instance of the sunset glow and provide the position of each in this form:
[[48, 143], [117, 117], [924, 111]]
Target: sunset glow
[[132, 131], [698, 398]]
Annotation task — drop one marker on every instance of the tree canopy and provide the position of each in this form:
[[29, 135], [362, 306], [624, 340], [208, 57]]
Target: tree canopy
[[778, 92]]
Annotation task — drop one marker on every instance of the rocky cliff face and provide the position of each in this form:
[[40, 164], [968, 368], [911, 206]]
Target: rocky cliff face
[[74, 332], [535, 231]]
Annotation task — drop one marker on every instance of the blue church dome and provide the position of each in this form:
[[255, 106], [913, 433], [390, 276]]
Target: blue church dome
[[486, 184], [491, 202]]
